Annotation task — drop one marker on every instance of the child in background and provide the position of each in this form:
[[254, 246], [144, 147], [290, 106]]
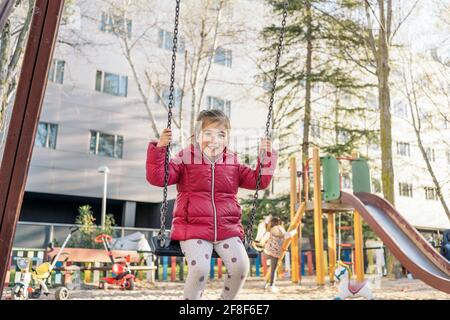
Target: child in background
[[273, 242]]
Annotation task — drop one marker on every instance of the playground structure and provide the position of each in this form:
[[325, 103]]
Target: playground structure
[[404, 241]]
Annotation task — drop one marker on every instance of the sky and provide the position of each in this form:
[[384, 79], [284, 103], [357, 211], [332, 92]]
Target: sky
[[423, 30]]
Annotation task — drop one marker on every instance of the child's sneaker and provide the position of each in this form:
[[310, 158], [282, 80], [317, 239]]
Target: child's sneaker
[[274, 289]]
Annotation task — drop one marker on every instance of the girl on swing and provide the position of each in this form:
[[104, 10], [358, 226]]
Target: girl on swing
[[207, 215]]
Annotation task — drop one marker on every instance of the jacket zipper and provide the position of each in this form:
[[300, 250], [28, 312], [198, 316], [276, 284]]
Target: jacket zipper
[[213, 166]]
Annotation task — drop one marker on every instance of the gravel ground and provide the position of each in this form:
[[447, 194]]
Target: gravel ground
[[383, 289]]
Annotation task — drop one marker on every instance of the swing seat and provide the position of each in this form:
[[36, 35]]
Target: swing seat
[[172, 248]]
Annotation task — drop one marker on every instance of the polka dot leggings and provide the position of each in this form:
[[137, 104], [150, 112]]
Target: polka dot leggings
[[198, 255]]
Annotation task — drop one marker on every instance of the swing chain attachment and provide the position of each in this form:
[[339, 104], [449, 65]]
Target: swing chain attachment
[[249, 230], [164, 205]]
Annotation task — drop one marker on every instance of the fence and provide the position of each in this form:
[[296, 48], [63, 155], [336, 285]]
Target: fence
[[32, 239]]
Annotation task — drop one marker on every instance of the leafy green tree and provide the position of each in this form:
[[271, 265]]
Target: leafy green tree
[[321, 63]]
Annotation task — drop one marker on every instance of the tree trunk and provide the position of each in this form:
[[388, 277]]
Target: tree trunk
[[9, 64], [307, 116], [5, 41], [384, 100]]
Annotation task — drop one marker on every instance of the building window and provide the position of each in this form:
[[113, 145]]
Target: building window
[[431, 193], [223, 57], [315, 128], [163, 96], [446, 123], [343, 136], [115, 24], [111, 83], [430, 154], [103, 144], [405, 189], [376, 186], [425, 116], [375, 146], [165, 41], [267, 86], [56, 73], [217, 103], [46, 135], [403, 149], [346, 182], [401, 110]]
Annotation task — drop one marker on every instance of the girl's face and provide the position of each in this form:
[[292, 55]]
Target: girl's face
[[213, 139]]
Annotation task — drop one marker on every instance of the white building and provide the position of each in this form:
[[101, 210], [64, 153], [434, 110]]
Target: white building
[[94, 114]]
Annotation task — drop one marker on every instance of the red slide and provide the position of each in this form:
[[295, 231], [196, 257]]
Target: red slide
[[402, 239]]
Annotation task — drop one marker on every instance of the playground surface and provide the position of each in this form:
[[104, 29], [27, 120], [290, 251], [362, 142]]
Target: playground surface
[[385, 289]]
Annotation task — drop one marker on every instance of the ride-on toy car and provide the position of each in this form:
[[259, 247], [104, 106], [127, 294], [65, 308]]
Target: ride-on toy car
[[122, 275]]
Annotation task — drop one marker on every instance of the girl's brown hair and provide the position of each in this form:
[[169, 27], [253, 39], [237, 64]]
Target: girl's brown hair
[[208, 117], [275, 221]]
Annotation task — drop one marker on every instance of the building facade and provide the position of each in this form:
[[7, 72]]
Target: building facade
[[106, 83]]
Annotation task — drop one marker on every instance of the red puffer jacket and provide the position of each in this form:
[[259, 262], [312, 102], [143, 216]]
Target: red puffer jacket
[[206, 206]]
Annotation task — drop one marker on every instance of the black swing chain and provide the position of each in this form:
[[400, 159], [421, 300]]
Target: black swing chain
[[249, 229], [162, 229]]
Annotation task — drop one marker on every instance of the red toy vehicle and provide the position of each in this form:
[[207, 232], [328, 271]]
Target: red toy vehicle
[[122, 275]]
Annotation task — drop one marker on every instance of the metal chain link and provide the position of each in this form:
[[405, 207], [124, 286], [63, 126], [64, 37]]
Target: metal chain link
[[249, 229], [162, 229]]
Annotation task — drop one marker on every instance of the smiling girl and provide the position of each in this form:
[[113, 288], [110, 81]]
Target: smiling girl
[[207, 215]]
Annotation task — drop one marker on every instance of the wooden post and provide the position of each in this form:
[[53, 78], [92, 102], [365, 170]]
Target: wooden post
[[257, 265], [87, 273], [309, 259], [359, 255], [359, 241], [180, 261], [318, 228], [300, 239], [293, 201], [67, 275], [331, 246], [96, 273], [211, 270], [280, 271], [24, 121], [173, 268], [219, 268], [165, 261]]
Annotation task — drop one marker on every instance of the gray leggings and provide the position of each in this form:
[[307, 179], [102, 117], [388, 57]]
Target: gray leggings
[[273, 267], [198, 255]]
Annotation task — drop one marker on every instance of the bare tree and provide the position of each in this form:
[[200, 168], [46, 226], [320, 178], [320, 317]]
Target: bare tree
[[379, 37], [200, 31], [413, 90], [12, 47]]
